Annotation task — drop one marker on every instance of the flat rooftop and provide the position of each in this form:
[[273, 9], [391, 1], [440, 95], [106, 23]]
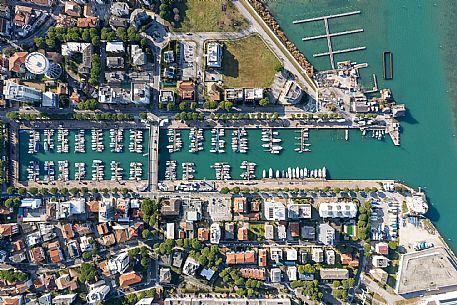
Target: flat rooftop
[[427, 270]]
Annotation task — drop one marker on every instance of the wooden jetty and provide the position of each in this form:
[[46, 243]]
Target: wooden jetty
[[387, 58], [326, 17]]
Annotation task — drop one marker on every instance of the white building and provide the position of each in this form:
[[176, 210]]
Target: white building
[[253, 94], [170, 230], [274, 210], [20, 93], [70, 208], [291, 254], [214, 56], [31, 203], [297, 211], [292, 273], [137, 55], [318, 255], [50, 99], [98, 294], [275, 275], [326, 234], [115, 47], [106, 210], [338, 210], [119, 264], [330, 257]]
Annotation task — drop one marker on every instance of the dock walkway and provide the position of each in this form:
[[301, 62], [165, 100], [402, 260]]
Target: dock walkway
[[326, 17]]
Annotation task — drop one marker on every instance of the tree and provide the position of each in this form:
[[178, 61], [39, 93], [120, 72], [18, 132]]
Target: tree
[[121, 33], [170, 106], [12, 202], [10, 190], [225, 190], [22, 191], [40, 42], [264, 102], [87, 273], [132, 34], [146, 233], [33, 191], [182, 106]]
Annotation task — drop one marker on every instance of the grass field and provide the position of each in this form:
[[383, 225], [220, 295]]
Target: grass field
[[209, 16], [248, 63]]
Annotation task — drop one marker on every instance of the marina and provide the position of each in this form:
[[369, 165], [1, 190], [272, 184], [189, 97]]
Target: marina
[[79, 154], [289, 162]]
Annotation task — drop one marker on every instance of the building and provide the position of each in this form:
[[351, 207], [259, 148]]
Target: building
[[31, 203], [275, 275], [50, 100], [274, 209], [8, 229], [428, 270], [84, 48], [137, 55], [170, 207], [214, 56], [185, 90], [291, 254], [379, 275], [106, 210], [318, 255], [64, 299], [115, 62], [119, 264], [308, 232], [380, 261], [70, 208], [120, 9], [207, 273], [129, 279], [338, 210], [140, 93], [19, 93], [263, 260], [170, 233], [252, 273], [243, 234], [299, 211], [168, 57], [382, 248], [269, 231], [72, 9], [334, 274], [240, 205], [294, 228], [190, 266], [16, 62], [276, 255], [97, 294], [65, 281], [165, 275], [253, 94], [290, 93], [292, 273], [116, 46], [166, 96], [330, 257], [87, 22], [234, 94], [326, 234]]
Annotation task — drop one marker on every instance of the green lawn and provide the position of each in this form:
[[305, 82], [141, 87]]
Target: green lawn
[[248, 62], [210, 16], [256, 231]]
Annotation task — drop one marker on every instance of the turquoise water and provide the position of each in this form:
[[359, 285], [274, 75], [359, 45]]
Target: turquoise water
[[106, 156], [421, 35]]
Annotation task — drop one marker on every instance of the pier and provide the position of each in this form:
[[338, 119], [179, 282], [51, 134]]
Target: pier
[[326, 17], [387, 65], [153, 156], [331, 53], [329, 35]]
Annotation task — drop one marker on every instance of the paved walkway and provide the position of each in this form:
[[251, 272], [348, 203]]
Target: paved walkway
[[373, 286]]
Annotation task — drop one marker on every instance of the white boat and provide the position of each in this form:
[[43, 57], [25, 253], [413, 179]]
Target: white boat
[[324, 172], [319, 173], [305, 172], [277, 173], [301, 173], [289, 172], [270, 173], [297, 172]]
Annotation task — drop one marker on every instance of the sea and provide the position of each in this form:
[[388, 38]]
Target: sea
[[421, 34]]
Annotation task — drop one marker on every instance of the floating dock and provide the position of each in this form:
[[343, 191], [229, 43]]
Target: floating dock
[[326, 17], [387, 61]]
